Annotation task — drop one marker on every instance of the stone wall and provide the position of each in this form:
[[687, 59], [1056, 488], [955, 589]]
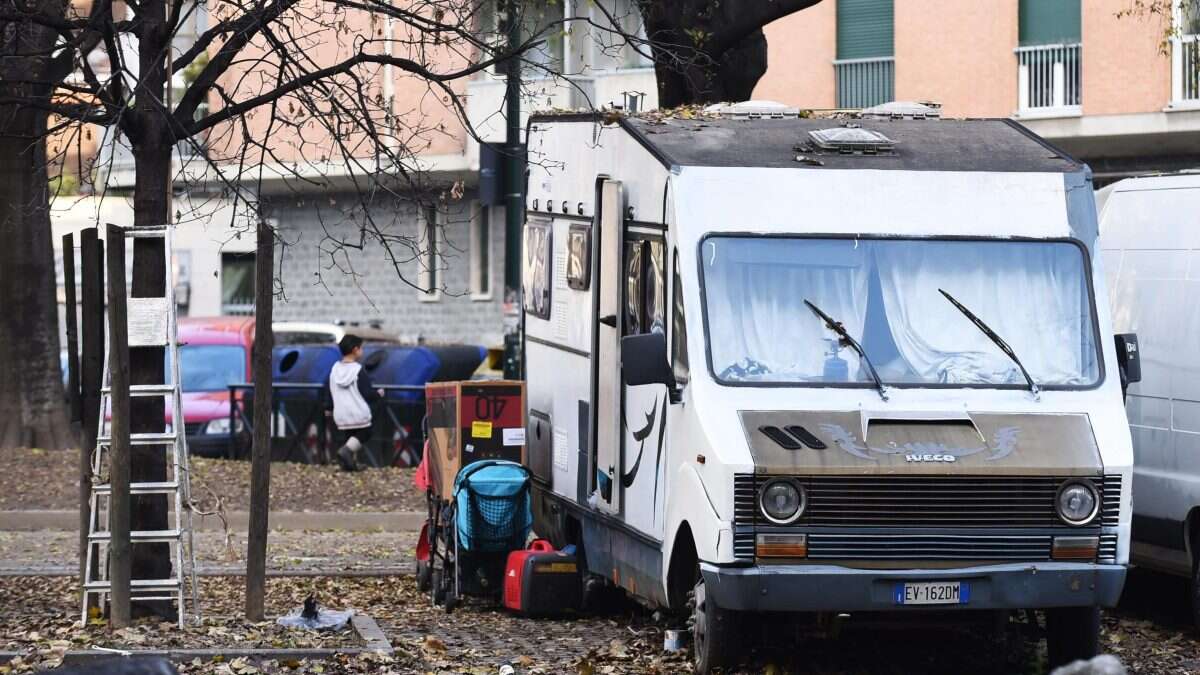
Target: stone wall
[[359, 281]]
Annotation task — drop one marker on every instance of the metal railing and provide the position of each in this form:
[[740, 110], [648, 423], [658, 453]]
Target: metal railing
[[301, 432], [862, 83], [1049, 76], [1185, 58]]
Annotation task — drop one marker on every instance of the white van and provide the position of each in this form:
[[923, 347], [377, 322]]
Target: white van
[[697, 294], [1150, 243]]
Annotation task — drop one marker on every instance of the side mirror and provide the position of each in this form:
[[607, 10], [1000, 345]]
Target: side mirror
[[1129, 358], [644, 361]]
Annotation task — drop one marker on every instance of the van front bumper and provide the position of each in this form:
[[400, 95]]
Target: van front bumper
[[805, 588]]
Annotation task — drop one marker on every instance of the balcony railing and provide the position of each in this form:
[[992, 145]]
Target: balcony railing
[[1049, 78], [1185, 61], [862, 83]]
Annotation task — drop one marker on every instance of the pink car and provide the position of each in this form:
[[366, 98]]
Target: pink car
[[214, 353]]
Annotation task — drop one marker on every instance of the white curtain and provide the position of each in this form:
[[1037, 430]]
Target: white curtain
[[1032, 295], [755, 290]]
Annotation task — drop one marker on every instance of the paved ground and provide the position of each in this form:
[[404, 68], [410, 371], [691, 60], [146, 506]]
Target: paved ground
[[290, 551], [48, 479]]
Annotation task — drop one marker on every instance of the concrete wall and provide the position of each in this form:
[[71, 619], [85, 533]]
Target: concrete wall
[[1123, 68], [801, 49], [325, 282], [959, 54]]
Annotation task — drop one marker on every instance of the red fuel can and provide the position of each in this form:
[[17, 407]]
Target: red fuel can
[[540, 581]]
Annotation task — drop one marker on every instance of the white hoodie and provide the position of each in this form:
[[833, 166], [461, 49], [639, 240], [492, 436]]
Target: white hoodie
[[350, 409]]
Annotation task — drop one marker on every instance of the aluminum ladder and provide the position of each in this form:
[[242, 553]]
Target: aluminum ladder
[[152, 323]]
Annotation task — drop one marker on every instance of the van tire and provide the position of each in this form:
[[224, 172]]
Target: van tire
[[712, 631], [1072, 633]]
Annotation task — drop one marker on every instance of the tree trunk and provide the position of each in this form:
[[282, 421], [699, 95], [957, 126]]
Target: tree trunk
[[708, 51], [31, 391], [152, 163]]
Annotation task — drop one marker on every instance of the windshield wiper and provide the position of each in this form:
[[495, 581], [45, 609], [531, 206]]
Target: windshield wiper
[[837, 327], [986, 330]]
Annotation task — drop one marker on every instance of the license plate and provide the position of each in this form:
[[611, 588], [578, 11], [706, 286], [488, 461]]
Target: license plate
[[933, 593]]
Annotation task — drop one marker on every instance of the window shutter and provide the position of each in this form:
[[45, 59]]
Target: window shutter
[[1047, 22], [864, 29]]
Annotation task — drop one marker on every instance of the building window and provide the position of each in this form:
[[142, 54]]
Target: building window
[[1185, 55], [237, 283], [865, 65], [481, 254], [1049, 57], [428, 278], [543, 21]]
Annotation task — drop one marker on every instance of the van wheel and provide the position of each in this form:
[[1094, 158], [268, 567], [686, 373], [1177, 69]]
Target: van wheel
[[712, 629], [1072, 633]]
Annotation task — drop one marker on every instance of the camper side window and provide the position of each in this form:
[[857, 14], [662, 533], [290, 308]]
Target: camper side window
[[679, 357], [645, 287], [537, 270]]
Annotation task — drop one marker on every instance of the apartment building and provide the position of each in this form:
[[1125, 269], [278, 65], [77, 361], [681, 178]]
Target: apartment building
[[1118, 89]]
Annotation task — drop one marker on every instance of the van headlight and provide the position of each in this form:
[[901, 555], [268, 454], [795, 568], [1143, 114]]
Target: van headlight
[[1077, 503], [782, 501], [220, 425]]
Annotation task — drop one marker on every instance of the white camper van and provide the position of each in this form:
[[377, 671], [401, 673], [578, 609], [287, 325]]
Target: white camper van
[[814, 365], [1150, 235]]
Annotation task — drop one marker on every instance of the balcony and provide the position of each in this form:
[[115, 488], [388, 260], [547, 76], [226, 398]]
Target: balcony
[[862, 83], [1049, 82], [1185, 72]]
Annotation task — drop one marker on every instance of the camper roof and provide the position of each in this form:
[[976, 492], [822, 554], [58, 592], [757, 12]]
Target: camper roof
[[919, 145]]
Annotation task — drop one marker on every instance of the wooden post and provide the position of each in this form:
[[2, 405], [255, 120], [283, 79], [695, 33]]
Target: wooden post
[[120, 551], [260, 467], [92, 375], [73, 394]]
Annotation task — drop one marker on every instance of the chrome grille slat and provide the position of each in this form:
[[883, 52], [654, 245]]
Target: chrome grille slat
[[1108, 548], [928, 547]]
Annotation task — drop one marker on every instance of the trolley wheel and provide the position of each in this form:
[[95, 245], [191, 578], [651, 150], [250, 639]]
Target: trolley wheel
[[424, 576]]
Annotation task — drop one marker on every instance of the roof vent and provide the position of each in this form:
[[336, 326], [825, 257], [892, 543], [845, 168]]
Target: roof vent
[[852, 139], [753, 110], [898, 110]]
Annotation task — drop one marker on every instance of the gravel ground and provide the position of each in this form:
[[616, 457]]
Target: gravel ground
[[47, 479]]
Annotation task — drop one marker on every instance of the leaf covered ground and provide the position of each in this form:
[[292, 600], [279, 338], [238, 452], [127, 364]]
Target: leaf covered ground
[[1149, 633], [48, 479]]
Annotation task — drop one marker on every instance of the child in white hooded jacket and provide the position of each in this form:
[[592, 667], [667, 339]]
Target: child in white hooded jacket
[[352, 394]]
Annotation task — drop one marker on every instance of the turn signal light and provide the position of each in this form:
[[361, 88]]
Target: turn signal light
[[1075, 548], [781, 546]]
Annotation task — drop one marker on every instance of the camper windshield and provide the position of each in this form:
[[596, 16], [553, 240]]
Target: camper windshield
[[1034, 294]]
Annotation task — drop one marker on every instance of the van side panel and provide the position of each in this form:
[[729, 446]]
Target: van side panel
[[1151, 240]]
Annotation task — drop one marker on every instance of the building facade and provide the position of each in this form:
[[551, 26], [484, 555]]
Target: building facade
[[1116, 87], [1119, 90]]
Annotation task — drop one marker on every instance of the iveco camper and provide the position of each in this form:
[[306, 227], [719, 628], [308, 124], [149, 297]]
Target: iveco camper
[[816, 365]]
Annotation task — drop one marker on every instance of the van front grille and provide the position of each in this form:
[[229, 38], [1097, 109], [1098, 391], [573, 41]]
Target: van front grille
[[959, 517]]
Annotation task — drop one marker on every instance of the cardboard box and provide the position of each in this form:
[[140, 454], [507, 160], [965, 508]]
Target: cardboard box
[[469, 421]]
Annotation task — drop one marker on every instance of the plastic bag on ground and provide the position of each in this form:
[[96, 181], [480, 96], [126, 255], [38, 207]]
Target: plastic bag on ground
[[312, 618]]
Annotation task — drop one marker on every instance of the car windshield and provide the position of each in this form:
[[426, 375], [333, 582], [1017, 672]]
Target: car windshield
[[1033, 294], [210, 367]]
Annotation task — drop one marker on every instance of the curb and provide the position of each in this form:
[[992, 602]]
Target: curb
[[358, 521]]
